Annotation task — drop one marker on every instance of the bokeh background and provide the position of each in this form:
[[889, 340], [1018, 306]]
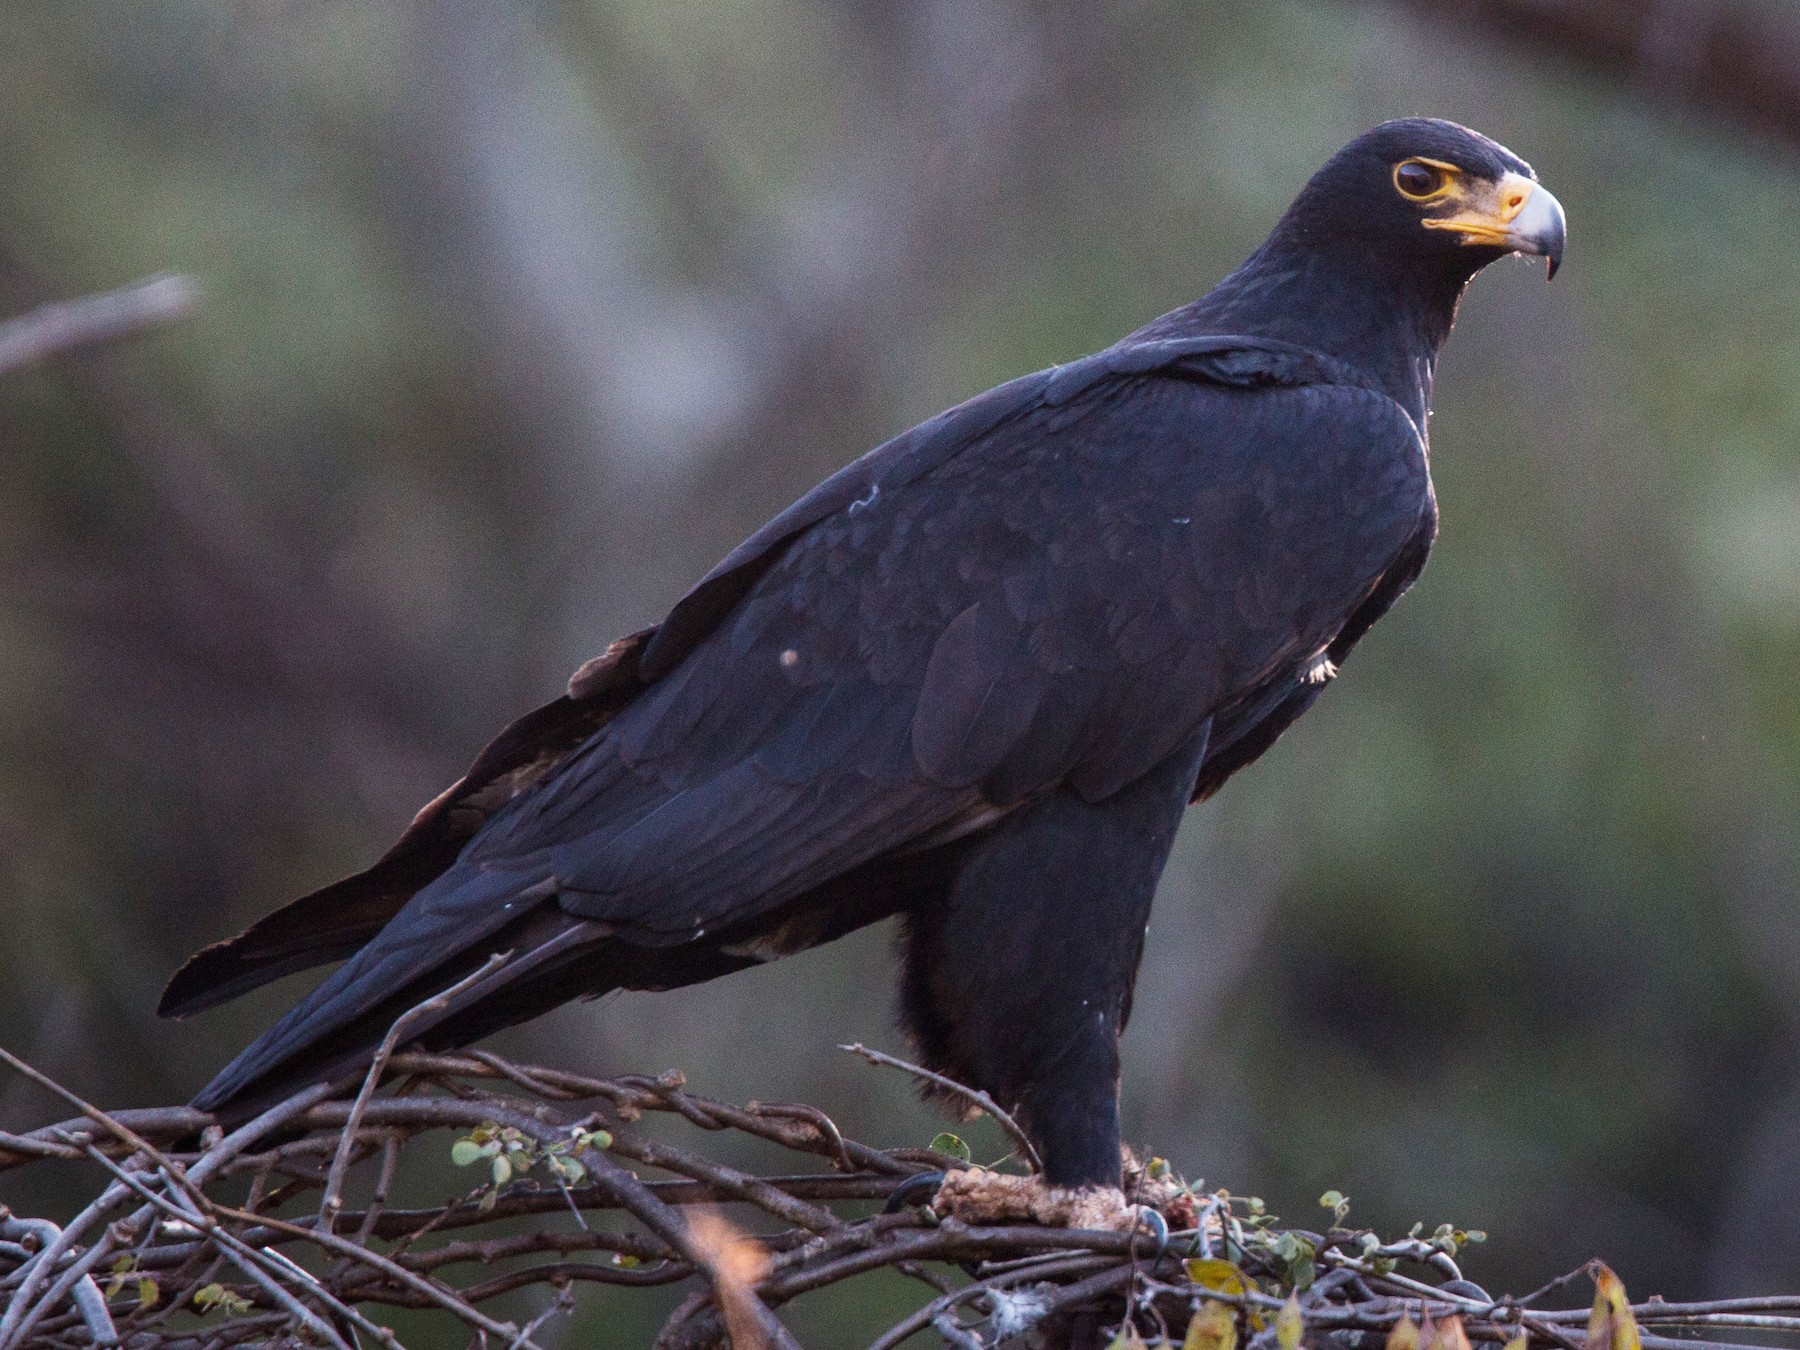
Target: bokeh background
[[521, 312]]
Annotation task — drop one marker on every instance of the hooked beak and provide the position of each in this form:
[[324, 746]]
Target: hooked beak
[[1515, 214]]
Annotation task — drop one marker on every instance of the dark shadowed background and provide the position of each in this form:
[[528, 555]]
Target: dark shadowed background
[[520, 314]]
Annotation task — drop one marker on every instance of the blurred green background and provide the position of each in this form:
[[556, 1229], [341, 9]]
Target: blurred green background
[[520, 314]]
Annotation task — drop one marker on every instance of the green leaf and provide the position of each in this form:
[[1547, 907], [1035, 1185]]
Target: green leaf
[[502, 1170], [121, 1267], [148, 1292], [218, 1296], [951, 1147], [1337, 1202], [465, 1152]]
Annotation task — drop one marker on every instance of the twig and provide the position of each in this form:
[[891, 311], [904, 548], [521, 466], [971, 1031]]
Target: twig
[[1021, 1275], [235, 1251], [333, 1199], [563, 1303], [968, 1094], [92, 1112], [49, 330]]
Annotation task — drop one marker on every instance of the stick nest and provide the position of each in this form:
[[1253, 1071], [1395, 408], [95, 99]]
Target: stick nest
[[202, 1240]]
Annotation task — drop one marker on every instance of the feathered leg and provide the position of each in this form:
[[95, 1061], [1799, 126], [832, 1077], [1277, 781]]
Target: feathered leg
[[1023, 989]]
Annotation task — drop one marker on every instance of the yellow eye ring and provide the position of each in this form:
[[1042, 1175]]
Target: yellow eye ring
[[1423, 180]]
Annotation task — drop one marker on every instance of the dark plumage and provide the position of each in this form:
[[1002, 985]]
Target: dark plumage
[[974, 679]]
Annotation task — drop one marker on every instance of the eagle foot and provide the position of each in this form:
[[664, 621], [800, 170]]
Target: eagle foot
[[974, 1196]]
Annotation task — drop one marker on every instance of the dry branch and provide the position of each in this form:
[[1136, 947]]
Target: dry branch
[[1737, 59], [53, 329], [185, 1269]]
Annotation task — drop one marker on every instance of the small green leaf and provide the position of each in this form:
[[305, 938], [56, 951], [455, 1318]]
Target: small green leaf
[[951, 1147], [626, 1262], [465, 1152], [148, 1292], [121, 1267], [218, 1296], [502, 1170]]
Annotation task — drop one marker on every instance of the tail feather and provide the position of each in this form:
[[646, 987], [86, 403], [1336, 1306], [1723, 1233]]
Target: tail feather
[[441, 935]]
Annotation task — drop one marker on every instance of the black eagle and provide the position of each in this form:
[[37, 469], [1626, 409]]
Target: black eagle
[[972, 679]]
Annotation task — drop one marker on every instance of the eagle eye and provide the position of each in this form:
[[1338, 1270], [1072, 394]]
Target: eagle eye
[[1420, 180]]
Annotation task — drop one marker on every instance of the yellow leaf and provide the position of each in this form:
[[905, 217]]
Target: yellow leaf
[[1611, 1325], [1518, 1342], [1212, 1273], [1405, 1335], [1212, 1328], [1446, 1335], [1289, 1325]]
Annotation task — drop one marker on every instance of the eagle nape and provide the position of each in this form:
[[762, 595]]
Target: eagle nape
[[971, 680]]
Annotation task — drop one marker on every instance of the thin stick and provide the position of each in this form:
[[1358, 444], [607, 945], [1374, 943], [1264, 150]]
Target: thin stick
[[333, 1200], [390, 1160], [78, 1273], [564, 1302], [248, 1259], [88, 1109], [49, 330], [969, 1094], [43, 1264], [233, 1250], [1585, 1268]]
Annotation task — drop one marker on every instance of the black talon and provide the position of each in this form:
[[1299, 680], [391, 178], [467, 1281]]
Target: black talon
[[917, 1189], [1159, 1229]]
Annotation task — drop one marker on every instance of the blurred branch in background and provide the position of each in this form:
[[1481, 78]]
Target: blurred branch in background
[[53, 329], [1733, 58]]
